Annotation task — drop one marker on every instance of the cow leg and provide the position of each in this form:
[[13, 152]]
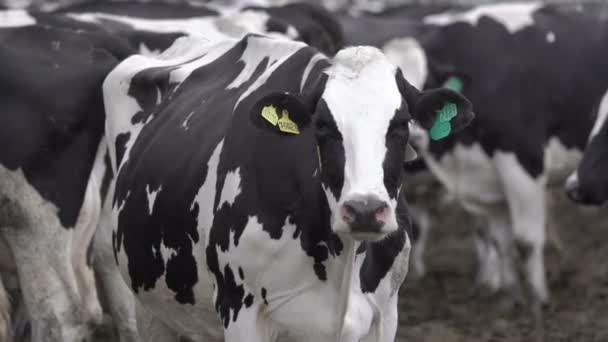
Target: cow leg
[[488, 277], [6, 327], [81, 256], [248, 327], [49, 287], [502, 237], [120, 299], [526, 197], [41, 249], [420, 218], [153, 329], [386, 328]]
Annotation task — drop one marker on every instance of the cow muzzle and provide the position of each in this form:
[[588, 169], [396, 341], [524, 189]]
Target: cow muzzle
[[577, 194], [367, 217]]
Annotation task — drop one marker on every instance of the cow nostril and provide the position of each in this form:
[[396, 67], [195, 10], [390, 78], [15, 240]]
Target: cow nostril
[[574, 194], [349, 213]]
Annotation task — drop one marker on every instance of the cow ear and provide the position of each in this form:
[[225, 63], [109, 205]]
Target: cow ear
[[283, 112], [440, 111]]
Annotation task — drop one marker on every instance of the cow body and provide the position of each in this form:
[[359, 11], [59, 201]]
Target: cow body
[[535, 104], [124, 35], [52, 119], [157, 24], [229, 216]]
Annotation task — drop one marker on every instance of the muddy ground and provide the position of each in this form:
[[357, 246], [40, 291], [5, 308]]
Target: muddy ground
[[443, 306]]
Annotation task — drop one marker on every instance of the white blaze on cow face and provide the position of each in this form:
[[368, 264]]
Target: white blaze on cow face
[[362, 97]]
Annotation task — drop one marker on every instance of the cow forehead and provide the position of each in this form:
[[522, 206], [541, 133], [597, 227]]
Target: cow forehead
[[361, 88]]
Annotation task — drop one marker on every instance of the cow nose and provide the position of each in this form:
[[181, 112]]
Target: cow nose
[[366, 214]]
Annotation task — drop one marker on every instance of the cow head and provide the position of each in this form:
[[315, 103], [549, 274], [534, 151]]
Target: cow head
[[359, 111], [589, 184]]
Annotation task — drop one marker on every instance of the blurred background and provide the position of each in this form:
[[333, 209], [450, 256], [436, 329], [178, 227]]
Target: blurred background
[[330, 4], [443, 306]]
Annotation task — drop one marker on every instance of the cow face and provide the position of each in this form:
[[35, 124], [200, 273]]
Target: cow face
[[360, 112]]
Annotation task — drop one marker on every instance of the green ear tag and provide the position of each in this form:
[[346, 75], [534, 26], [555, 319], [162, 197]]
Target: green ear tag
[[454, 83], [442, 127]]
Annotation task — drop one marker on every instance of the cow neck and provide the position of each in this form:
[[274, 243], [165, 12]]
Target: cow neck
[[350, 252], [344, 248]]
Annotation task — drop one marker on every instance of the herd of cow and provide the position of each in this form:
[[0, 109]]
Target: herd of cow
[[235, 173]]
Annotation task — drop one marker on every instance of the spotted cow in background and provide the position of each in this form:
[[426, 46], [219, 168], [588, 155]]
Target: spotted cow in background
[[258, 181], [51, 123], [158, 25]]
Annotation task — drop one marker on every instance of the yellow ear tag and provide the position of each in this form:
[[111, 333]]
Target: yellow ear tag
[[270, 114], [286, 125]]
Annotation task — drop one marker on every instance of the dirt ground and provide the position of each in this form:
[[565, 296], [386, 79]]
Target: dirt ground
[[443, 307]]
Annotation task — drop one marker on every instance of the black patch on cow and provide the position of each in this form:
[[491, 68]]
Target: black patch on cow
[[276, 25], [248, 300], [108, 175], [331, 149], [316, 26], [232, 297], [380, 255], [104, 38], [397, 137], [116, 245], [52, 110], [148, 10], [264, 293], [121, 146], [90, 252]]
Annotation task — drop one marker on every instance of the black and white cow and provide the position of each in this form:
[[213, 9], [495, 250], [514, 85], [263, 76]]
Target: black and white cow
[[143, 23], [589, 183], [535, 74], [258, 181], [51, 123]]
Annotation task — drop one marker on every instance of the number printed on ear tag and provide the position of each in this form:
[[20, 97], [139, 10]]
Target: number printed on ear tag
[[442, 127], [270, 114], [286, 125]]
